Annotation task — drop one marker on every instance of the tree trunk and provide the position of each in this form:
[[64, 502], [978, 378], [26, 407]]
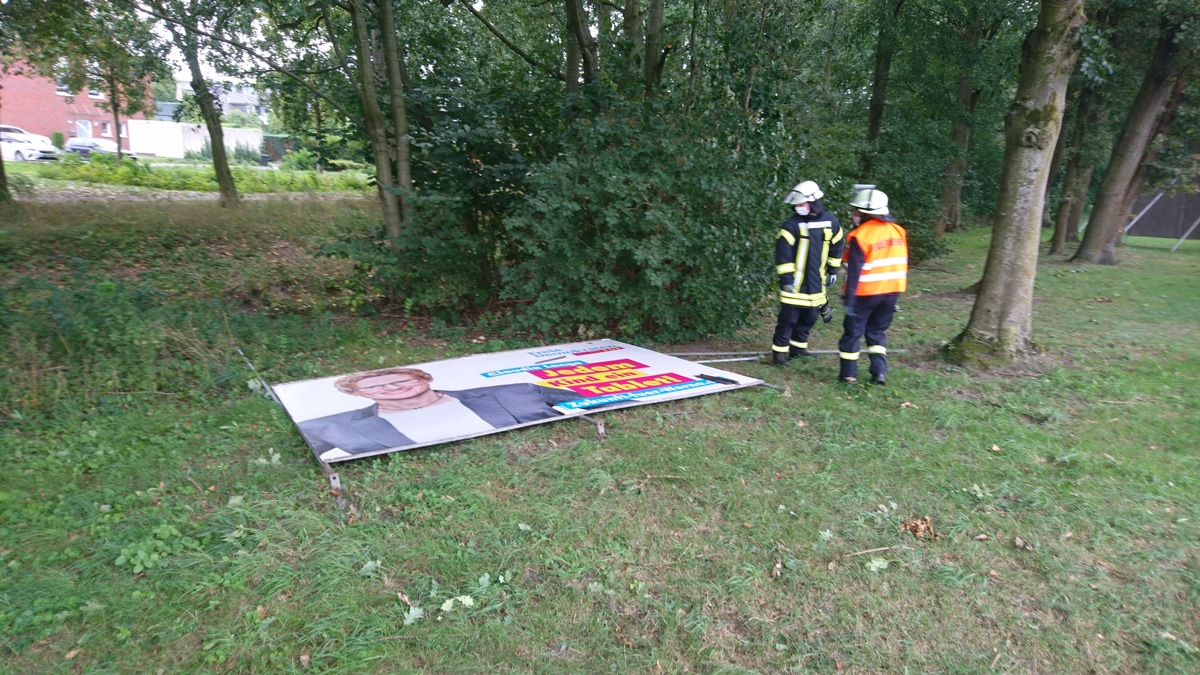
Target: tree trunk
[[1162, 128], [1071, 209], [633, 42], [1108, 216], [376, 124], [885, 49], [1060, 149], [578, 19], [394, 62], [950, 211], [5, 194], [115, 109], [212, 121], [1074, 184], [573, 61], [1001, 324], [655, 55]]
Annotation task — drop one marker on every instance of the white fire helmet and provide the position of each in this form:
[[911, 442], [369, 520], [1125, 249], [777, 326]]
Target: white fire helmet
[[870, 201], [808, 191]]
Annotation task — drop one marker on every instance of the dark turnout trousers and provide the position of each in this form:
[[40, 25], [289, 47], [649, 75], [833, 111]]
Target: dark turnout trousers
[[871, 317]]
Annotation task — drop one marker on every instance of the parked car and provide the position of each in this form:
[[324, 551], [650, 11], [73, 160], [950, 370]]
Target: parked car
[[84, 147], [7, 129], [25, 147]]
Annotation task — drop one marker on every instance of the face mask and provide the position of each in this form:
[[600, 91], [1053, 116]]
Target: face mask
[[803, 209]]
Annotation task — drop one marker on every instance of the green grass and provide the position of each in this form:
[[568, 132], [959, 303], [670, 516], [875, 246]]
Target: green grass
[[196, 177], [744, 532]]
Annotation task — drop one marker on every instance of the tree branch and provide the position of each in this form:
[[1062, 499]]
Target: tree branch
[[511, 45], [246, 49]]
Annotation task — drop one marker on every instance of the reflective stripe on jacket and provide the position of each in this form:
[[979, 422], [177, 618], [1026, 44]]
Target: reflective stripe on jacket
[[876, 259], [807, 248]]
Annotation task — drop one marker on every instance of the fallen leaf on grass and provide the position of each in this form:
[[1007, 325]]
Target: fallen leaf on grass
[[404, 598], [921, 528], [906, 404], [262, 613], [801, 423], [1022, 544], [73, 653], [778, 568], [876, 564], [994, 448], [1101, 299], [304, 660], [993, 574], [981, 537]]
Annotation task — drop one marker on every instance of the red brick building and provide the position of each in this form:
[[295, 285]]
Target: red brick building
[[40, 105]]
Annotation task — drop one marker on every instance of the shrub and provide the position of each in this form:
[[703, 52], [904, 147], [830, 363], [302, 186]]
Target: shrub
[[641, 229], [299, 160]]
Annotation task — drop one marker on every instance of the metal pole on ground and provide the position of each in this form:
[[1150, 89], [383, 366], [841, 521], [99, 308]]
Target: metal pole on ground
[[1185, 235]]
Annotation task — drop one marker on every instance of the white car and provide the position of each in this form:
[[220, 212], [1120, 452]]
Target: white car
[[25, 147], [7, 129]]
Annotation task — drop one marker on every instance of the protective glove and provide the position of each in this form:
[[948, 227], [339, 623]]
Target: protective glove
[[827, 312], [789, 288], [831, 279]]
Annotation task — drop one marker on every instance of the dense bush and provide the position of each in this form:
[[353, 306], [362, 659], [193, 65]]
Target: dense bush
[[641, 229]]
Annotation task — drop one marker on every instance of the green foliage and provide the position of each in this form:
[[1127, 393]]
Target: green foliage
[[641, 228], [246, 154], [162, 542], [300, 159], [204, 153], [58, 139], [241, 120], [104, 169]]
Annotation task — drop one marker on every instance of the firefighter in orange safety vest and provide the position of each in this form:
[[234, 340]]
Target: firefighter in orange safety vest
[[876, 261], [808, 253]]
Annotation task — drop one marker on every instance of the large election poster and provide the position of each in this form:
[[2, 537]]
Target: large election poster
[[388, 409]]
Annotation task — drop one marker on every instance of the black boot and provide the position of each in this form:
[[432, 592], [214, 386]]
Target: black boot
[[779, 359], [879, 379], [797, 352]]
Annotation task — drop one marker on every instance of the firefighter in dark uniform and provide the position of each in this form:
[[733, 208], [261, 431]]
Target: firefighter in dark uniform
[[876, 258], [808, 252]]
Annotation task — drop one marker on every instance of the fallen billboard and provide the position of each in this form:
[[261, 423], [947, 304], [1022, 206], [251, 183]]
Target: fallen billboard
[[396, 408]]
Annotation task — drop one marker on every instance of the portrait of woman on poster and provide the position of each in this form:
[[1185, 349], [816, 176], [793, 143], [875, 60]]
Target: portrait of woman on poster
[[407, 410]]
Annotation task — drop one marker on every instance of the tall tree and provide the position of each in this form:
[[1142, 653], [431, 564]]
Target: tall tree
[[190, 24], [885, 51], [1108, 215], [1001, 324]]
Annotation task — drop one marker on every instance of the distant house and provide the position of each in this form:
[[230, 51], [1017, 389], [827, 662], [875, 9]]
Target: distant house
[[231, 96], [43, 105]]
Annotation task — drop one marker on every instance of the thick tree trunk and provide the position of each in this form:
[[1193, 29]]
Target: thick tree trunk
[[577, 18], [885, 49], [655, 55], [633, 42], [1001, 325], [212, 121], [376, 124], [1163, 128], [1108, 216]]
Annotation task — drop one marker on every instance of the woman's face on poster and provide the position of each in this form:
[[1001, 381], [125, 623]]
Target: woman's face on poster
[[397, 387]]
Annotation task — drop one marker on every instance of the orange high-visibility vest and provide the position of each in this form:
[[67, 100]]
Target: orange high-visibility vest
[[885, 246]]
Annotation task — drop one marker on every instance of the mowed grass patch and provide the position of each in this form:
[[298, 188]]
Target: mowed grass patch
[[763, 530]]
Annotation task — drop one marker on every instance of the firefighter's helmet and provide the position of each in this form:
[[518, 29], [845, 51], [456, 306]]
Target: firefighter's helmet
[[808, 191], [870, 201]]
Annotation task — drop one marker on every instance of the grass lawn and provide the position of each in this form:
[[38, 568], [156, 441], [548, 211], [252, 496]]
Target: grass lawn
[[159, 515]]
